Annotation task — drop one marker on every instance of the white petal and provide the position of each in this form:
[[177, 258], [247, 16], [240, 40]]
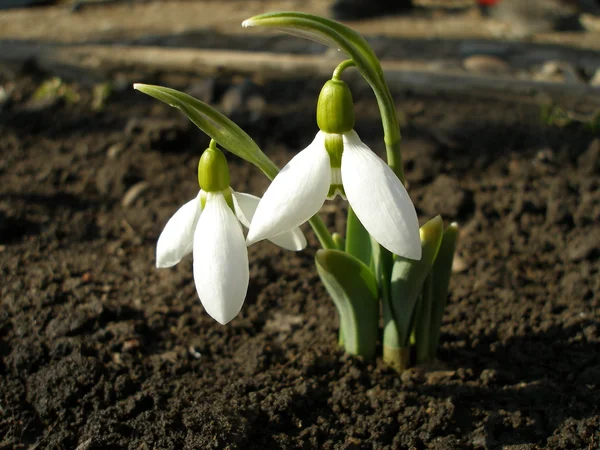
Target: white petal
[[290, 240], [245, 206], [177, 238], [220, 260], [295, 195], [379, 199]]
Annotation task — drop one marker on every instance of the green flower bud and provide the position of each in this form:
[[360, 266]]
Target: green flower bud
[[335, 108], [213, 172]]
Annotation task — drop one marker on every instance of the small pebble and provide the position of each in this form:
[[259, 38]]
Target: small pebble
[[134, 192], [486, 65], [130, 345], [459, 264], [595, 81], [583, 246], [115, 150], [557, 72], [590, 22], [589, 161]]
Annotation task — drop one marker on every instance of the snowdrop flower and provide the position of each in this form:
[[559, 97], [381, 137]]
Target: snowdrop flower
[[209, 226], [338, 162]]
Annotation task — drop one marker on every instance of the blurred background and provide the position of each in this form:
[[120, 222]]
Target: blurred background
[[489, 45]]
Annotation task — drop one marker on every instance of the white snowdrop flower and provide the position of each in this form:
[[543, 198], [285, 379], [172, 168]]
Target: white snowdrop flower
[[338, 162], [210, 227]]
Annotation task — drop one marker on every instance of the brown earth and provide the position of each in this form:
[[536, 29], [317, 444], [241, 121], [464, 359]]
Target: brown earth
[[101, 350]]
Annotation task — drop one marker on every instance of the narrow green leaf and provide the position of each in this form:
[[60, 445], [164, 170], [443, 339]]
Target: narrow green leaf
[[408, 277], [220, 128], [423, 322], [441, 272], [353, 288], [358, 240]]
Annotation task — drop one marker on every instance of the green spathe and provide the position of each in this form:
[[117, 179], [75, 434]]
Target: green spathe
[[213, 172], [335, 108]]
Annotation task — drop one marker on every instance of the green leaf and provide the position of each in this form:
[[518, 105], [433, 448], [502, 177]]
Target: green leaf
[[408, 277], [441, 272], [422, 332], [220, 128], [358, 240], [353, 288]]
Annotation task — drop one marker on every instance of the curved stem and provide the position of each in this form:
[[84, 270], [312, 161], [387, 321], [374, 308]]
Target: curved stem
[[391, 129], [337, 73]]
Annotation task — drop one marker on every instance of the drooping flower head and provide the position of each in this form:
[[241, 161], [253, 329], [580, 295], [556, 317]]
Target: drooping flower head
[[338, 162], [210, 227]]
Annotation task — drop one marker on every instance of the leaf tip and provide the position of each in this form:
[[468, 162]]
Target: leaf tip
[[432, 230], [320, 256], [247, 23], [141, 87]]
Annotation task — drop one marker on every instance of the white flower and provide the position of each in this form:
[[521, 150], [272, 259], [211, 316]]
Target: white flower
[[214, 234], [375, 193]]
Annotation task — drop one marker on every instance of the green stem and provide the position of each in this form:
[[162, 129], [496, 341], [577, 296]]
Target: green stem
[[337, 73], [394, 355], [391, 130], [320, 230]]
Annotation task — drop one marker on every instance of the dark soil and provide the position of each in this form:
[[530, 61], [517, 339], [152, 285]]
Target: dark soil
[[99, 349]]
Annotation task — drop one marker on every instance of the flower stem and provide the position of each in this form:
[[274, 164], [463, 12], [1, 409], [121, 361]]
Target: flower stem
[[320, 230], [391, 130], [337, 73]]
